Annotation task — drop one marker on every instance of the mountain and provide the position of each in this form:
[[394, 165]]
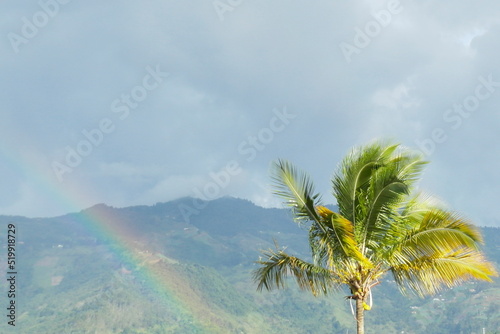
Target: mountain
[[185, 267]]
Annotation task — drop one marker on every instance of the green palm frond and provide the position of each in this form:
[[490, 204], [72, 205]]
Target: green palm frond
[[411, 167], [416, 207], [439, 231], [389, 187], [331, 236], [441, 251], [278, 265], [336, 238], [442, 219], [404, 220], [296, 188], [354, 175], [429, 274]]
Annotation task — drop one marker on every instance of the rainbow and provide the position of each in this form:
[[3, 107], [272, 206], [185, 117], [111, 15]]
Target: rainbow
[[103, 225]]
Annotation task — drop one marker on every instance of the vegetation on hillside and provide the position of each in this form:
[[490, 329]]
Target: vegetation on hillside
[[85, 286]]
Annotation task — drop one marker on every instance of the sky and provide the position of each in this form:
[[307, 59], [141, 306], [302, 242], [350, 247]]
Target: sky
[[139, 102]]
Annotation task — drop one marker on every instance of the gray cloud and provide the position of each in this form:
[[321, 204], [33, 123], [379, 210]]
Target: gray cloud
[[225, 79]]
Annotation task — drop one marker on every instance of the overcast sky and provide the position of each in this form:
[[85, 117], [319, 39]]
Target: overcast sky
[[139, 102]]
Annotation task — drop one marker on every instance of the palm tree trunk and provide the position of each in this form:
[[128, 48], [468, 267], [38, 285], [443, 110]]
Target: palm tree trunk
[[360, 316]]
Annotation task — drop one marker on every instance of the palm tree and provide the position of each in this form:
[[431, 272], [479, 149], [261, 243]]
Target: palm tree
[[382, 226]]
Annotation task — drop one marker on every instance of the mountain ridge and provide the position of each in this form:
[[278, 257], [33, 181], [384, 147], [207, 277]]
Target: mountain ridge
[[76, 275]]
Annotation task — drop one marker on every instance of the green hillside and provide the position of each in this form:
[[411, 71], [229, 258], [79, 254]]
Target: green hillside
[[146, 269]]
